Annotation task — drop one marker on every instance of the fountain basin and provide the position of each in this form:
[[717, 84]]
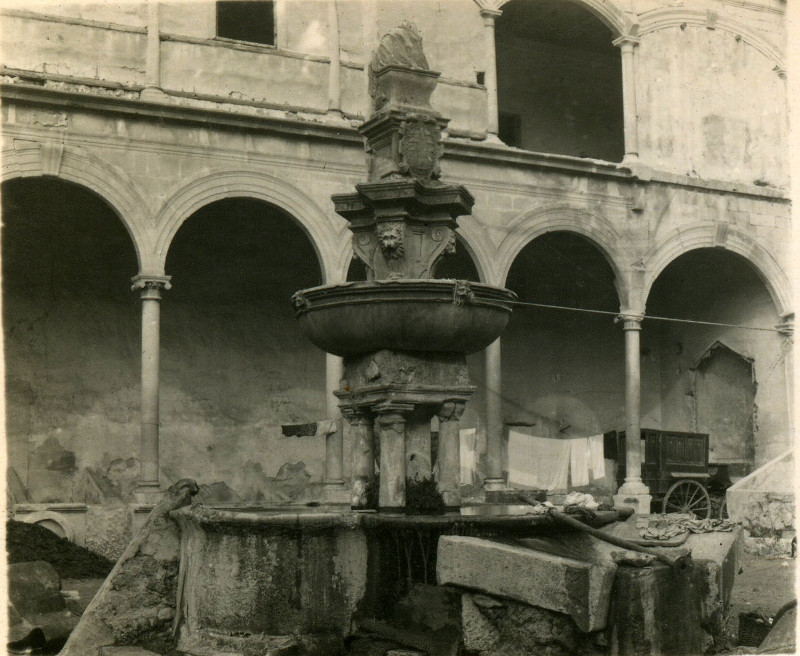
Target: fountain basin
[[264, 580], [403, 315]]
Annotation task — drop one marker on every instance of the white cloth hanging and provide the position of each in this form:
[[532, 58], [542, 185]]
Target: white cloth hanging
[[538, 462]]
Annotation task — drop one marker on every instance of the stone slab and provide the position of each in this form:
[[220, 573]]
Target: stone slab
[[563, 584]]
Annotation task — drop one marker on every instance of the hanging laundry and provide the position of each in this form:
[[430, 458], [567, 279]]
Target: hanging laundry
[[597, 463], [469, 457], [537, 462], [579, 461]]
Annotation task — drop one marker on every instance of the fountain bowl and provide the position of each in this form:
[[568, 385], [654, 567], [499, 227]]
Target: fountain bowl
[[403, 315]]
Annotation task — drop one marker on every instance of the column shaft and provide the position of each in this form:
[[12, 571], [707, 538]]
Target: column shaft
[[391, 427], [334, 442], [152, 86], [151, 311], [335, 71], [490, 79], [362, 456], [630, 120], [448, 456], [150, 293], [418, 444], [633, 491], [633, 429], [494, 418]]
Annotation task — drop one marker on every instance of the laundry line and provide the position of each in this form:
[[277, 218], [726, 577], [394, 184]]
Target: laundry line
[[647, 316]]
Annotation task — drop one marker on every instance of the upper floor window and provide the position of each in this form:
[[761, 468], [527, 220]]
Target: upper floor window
[[247, 20]]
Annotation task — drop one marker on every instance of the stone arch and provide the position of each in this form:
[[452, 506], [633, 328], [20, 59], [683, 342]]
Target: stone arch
[[659, 19], [478, 246], [613, 17], [102, 178], [711, 236], [320, 228], [596, 230], [46, 518]]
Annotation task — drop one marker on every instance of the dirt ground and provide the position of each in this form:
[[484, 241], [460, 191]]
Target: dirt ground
[[762, 584]]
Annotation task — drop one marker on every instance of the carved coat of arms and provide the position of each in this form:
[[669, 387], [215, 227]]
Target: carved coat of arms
[[420, 149]]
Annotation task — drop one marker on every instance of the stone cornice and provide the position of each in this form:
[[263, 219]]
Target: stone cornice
[[472, 151], [70, 20]]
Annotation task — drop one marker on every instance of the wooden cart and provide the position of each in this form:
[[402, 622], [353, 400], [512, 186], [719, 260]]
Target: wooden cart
[[675, 468]]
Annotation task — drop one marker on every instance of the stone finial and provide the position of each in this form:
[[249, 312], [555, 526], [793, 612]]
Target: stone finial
[[399, 73], [401, 46]]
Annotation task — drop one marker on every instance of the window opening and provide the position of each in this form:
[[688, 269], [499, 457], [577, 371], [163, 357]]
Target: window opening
[[248, 20]]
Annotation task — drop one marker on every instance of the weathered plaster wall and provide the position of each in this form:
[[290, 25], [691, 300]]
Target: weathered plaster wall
[[83, 51], [736, 296], [710, 106]]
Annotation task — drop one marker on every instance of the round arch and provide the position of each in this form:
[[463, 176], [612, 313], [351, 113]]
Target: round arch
[[683, 241], [596, 230], [659, 19], [102, 178], [53, 521], [615, 19], [202, 191]]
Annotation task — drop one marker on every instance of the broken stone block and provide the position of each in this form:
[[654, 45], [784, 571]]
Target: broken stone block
[[658, 610], [495, 627], [576, 588]]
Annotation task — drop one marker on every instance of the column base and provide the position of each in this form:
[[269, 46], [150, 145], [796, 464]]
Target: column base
[[152, 94], [148, 492], [336, 491], [492, 138], [639, 502], [495, 490]]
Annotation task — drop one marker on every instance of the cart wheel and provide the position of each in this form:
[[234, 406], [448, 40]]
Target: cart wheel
[[687, 497]]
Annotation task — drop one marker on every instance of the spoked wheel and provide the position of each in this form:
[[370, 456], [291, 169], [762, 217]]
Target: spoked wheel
[[687, 497]]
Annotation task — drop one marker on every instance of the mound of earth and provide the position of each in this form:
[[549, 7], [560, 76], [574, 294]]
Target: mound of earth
[[28, 542]]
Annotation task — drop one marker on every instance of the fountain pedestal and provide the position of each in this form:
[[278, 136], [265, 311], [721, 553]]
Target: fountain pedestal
[[403, 335], [400, 392]]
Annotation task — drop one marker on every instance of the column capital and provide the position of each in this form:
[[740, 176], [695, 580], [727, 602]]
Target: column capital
[[390, 412], [148, 283], [630, 320], [356, 416], [626, 42], [489, 15], [786, 328], [451, 411]]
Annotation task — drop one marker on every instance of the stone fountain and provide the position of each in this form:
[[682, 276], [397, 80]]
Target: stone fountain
[[209, 581], [402, 333]]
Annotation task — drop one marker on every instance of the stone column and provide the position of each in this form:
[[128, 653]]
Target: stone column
[[633, 491], [448, 455], [335, 71], [627, 45], [362, 455], [334, 441], [418, 444], [152, 87], [490, 75], [150, 292], [391, 427], [494, 420], [787, 347]]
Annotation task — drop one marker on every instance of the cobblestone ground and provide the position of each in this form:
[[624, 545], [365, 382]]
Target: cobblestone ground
[[762, 585]]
